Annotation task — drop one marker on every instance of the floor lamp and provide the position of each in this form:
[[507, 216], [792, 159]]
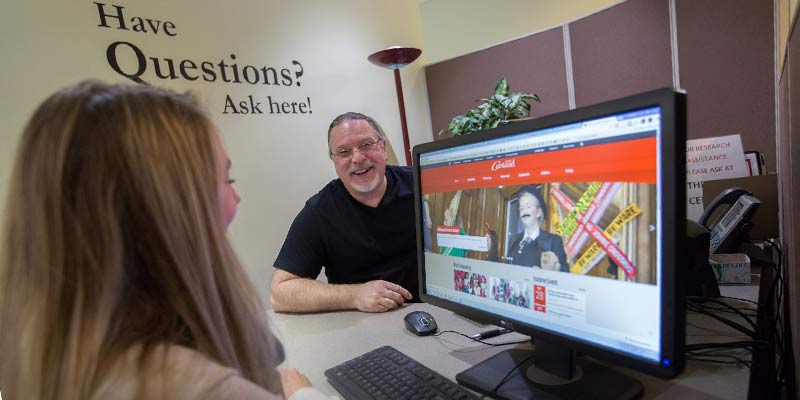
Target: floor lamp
[[397, 57]]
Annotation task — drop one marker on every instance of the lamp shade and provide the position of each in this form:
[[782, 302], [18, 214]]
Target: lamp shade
[[394, 57]]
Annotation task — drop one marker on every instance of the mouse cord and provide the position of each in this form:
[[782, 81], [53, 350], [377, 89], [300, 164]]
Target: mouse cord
[[481, 341]]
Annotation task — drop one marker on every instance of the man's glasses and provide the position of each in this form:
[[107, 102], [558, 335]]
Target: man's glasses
[[363, 148]]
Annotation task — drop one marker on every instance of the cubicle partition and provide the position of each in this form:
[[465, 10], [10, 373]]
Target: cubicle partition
[[720, 51], [535, 63], [789, 173]]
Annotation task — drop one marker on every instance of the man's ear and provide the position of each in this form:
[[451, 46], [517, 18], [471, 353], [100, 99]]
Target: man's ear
[[391, 158]]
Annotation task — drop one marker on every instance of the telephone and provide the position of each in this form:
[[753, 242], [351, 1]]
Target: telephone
[[730, 229]]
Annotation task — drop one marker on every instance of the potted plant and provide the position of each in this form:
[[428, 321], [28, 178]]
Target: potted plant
[[501, 107]]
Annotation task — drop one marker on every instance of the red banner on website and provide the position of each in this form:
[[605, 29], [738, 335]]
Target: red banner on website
[[628, 161]]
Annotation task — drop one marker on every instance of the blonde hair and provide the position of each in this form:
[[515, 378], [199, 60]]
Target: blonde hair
[[113, 239]]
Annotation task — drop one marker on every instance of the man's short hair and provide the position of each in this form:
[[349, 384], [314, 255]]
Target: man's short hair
[[354, 116]]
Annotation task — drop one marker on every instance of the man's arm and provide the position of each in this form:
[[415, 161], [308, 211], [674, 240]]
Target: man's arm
[[291, 293]]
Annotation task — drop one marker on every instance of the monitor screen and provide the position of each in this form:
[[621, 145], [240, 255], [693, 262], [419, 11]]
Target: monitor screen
[[566, 227]]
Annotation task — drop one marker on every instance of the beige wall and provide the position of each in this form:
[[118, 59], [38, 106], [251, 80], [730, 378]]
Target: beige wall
[[456, 27], [278, 160], [786, 13], [792, 6]]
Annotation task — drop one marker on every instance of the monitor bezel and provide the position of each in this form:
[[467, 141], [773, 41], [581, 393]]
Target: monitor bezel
[[673, 167]]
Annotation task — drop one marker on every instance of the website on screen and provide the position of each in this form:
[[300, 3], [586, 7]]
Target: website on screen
[[558, 228]]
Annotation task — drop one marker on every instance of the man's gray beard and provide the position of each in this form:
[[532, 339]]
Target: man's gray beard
[[369, 186]]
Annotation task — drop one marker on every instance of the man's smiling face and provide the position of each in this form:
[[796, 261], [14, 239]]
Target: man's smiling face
[[365, 171]]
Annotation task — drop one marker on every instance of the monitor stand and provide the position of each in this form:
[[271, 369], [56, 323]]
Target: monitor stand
[[551, 374]]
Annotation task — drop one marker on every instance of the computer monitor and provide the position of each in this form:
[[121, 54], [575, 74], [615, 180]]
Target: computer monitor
[[568, 228]]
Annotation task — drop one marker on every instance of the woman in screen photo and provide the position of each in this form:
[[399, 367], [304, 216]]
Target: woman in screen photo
[[491, 240], [427, 225], [535, 247], [452, 218]]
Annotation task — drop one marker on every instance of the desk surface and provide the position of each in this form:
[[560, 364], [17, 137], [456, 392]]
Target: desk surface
[[316, 342]]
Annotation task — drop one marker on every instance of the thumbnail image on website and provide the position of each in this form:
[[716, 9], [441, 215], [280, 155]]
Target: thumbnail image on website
[[499, 289]]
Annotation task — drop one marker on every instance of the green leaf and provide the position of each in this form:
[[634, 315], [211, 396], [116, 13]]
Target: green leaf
[[487, 112], [502, 87], [514, 100], [500, 106], [523, 110], [492, 102], [531, 96], [474, 125], [458, 124]]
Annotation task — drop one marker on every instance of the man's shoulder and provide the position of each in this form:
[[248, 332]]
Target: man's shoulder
[[403, 179], [401, 172], [326, 195]]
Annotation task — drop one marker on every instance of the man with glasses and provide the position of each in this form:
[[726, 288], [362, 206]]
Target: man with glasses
[[360, 227]]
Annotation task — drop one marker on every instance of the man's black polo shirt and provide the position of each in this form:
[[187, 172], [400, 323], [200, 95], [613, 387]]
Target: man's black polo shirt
[[354, 242]]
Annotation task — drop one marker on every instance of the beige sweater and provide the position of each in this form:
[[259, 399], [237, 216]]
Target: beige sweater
[[185, 374]]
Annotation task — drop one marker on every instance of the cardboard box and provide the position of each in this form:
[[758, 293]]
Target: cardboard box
[[731, 268]]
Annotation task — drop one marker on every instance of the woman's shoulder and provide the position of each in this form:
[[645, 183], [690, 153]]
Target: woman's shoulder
[[175, 372]]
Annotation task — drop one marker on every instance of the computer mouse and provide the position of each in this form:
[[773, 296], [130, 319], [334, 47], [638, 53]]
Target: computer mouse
[[420, 323]]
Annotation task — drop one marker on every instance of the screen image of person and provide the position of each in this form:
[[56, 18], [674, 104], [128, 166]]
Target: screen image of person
[[535, 247]]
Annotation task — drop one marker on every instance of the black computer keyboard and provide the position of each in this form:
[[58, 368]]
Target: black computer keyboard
[[386, 373]]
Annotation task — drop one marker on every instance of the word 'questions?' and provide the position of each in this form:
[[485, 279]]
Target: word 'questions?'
[[132, 62], [167, 68]]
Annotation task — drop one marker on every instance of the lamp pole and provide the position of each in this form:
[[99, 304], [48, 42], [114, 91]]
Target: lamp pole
[[394, 58]]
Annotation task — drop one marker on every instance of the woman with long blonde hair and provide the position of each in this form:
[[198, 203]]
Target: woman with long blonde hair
[[116, 277]]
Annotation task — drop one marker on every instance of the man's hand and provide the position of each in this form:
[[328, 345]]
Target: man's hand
[[292, 381], [292, 293], [380, 296]]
